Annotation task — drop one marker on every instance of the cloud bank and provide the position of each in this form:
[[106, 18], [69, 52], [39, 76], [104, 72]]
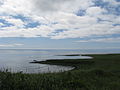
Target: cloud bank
[[105, 40], [11, 45], [59, 19]]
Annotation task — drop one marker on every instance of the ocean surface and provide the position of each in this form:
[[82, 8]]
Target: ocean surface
[[17, 60]]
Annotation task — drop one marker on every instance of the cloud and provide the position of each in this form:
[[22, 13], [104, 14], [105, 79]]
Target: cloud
[[94, 11], [60, 5], [112, 2], [105, 40], [58, 19], [1, 24], [51, 5], [11, 45]]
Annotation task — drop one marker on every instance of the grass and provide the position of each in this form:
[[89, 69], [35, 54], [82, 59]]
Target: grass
[[70, 55], [102, 74], [67, 62]]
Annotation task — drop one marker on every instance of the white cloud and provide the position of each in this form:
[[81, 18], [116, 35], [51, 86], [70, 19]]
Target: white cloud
[[11, 45], [51, 6], [112, 2], [105, 40], [1, 24], [94, 11], [55, 15]]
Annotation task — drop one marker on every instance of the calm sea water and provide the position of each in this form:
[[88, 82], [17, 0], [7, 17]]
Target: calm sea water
[[17, 60]]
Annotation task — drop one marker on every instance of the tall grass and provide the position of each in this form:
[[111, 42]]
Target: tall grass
[[97, 76]]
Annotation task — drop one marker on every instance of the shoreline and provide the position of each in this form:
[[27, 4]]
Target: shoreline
[[103, 74], [72, 62]]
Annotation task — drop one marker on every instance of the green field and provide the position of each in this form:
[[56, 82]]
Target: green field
[[100, 73]]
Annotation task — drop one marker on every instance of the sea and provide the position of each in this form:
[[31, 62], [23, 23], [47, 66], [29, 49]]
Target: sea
[[18, 60]]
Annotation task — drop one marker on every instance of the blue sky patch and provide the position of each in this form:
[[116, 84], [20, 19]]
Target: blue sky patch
[[59, 30], [6, 24], [100, 37], [21, 17], [29, 22], [100, 3], [32, 24], [106, 5], [80, 12], [99, 20], [116, 24], [118, 0]]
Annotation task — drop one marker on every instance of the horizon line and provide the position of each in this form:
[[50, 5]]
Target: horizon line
[[59, 48]]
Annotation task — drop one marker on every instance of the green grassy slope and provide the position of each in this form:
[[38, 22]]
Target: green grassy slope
[[102, 74]]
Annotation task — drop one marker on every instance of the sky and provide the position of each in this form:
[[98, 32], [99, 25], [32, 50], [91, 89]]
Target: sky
[[67, 24]]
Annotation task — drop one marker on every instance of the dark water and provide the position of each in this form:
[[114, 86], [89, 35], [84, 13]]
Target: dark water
[[17, 60]]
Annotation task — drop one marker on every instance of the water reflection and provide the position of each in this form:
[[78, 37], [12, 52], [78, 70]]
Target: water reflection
[[18, 60]]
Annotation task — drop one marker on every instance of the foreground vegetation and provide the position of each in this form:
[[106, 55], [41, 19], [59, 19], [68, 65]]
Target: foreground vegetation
[[100, 73]]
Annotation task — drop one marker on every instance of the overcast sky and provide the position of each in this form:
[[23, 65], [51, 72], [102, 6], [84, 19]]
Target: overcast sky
[[60, 24]]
